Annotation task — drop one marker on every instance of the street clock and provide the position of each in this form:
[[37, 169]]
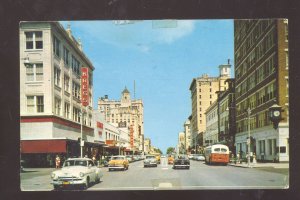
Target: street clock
[[275, 115]]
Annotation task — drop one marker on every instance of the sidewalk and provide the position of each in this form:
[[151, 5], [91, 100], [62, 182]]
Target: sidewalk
[[257, 165]]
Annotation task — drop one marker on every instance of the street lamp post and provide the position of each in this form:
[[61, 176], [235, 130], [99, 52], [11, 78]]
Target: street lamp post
[[81, 132], [249, 139]]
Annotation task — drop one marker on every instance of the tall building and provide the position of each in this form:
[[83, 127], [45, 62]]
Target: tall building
[[147, 145], [203, 94], [50, 94], [261, 72], [126, 113], [187, 132]]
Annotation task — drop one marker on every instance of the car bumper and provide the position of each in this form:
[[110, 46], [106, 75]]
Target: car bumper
[[116, 167], [181, 166], [150, 164], [68, 182]]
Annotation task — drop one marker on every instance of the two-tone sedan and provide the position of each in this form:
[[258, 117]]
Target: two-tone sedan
[[181, 161], [150, 160], [118, 162], [76, 172]]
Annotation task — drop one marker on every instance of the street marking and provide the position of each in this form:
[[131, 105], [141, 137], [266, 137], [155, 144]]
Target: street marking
[[164, 168], [165, 185]]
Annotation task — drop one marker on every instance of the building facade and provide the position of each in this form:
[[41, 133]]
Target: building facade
[[261, 72], [187, 133], [50, 94], [203, 94], [126, 113], [211, 134], [147, 145]]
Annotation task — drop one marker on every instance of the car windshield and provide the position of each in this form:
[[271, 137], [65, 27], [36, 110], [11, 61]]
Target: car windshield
[[182, 157], [150, 157], [69, 163], [117, 158]]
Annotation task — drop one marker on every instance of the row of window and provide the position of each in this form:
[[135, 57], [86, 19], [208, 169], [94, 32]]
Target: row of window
[[264, 71], [259, 120], [260, 97], [243, 29], [267, 43], [110, 136], [35, 104], [67, 112]]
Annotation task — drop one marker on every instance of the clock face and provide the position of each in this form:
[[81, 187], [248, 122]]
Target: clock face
[[276, 113]]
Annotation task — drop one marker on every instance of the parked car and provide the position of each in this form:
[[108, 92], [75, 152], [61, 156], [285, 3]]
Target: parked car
[[199, 157], [150, 160], [191, 156], [106, 161], [181, 161], [129, 158], [76, 172], [118, 162]]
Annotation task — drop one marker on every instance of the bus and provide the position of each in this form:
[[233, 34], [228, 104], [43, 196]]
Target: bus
[[217, 153]]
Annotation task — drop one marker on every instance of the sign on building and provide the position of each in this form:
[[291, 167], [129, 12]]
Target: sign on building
[[85, 86]]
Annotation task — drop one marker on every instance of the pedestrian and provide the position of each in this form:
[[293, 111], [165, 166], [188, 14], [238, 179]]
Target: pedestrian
[[254, 158], [238, 158], [57, 161]]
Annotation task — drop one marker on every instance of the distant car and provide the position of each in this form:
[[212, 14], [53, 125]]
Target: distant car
[[106, 161], [181, 161], [76, 172], [118, 162], [129, 158], [191, 156], [162, 156], [199, 157], [150, 160], [170, 160]]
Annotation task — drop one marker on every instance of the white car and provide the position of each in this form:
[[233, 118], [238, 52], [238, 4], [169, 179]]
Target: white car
[[150, 161], [76, 172]]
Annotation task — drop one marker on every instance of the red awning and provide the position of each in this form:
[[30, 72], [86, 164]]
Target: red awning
[[43, 146]]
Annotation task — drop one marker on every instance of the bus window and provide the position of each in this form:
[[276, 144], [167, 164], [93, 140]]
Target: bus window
[[223, 150], [217, 149]]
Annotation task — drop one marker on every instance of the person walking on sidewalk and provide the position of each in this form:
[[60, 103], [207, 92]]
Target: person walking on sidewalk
[[57, 161]]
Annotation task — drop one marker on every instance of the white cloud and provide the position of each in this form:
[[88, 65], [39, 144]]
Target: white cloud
[[184, 28], [140, 36]]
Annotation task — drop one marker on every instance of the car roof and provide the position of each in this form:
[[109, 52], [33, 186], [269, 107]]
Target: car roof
[[79, 159]]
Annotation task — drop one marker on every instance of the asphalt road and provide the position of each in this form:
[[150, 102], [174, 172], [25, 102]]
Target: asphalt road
[[199, 176]]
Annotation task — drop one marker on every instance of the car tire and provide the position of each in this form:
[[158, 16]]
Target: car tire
[[97, 180], [87, 183], [188, 167], [55, 187]]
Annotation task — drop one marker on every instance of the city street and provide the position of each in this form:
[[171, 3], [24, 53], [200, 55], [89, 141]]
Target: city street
[[199, 176]]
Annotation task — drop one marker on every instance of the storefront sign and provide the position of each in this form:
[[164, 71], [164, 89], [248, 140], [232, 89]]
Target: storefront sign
[[131, 136], [85, 86], [99, 125]]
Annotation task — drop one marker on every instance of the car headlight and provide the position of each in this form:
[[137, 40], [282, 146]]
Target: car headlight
[[52, 175], [81, 174]]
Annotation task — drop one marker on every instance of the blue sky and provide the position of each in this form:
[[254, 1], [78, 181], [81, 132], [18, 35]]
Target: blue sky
[[162, 61]]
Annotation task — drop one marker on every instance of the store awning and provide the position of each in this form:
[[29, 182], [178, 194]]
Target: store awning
[[43, 146]]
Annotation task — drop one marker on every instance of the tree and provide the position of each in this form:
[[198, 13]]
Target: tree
[[170, 150], [159, 151]]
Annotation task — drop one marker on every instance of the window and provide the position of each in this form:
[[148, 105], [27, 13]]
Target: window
[[66, 83], [76, 114], [56, 46], [75, 90], [34, 72], [34, 40], [57, 76], [57, 103], [286, 32], [66, 56], [287, 59], [67, 110], [75, 65], [35, 104]]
